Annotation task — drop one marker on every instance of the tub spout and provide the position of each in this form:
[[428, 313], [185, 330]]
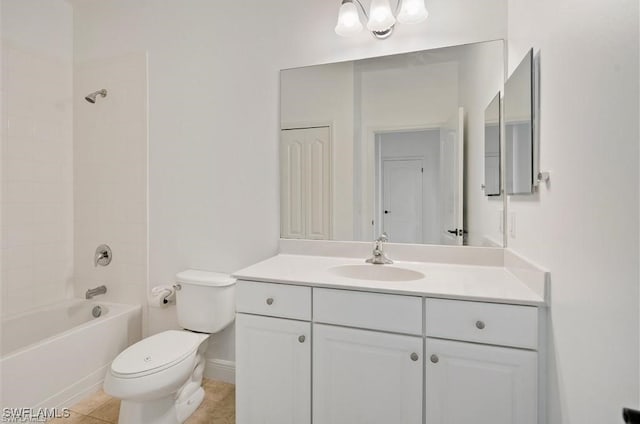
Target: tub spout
[[96, 291]]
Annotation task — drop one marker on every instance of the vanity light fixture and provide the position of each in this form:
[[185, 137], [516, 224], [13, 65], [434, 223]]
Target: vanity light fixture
[[380, 19]]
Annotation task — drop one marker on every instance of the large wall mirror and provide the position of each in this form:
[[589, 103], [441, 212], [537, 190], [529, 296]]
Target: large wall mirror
[[391, 144]]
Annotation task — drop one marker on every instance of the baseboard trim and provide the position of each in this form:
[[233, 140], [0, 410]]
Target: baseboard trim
[[221, 370]]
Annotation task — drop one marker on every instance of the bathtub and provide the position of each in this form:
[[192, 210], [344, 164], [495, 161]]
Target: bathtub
[[55, 355]]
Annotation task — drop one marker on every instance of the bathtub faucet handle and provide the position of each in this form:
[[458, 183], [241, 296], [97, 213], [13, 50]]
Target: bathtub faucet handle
[[102, 256]]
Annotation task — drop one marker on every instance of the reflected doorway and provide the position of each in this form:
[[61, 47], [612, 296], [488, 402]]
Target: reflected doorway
[[408, 185]]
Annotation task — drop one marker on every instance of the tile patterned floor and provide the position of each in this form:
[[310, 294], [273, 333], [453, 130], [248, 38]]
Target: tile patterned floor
[[218, 407]]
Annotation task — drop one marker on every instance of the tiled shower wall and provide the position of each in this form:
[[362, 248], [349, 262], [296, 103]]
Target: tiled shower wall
[[110, 172], [37, 153], [74, 174]]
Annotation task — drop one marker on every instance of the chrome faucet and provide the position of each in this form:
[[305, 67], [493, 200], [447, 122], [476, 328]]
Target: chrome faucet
[[94, 292], [379, 258]]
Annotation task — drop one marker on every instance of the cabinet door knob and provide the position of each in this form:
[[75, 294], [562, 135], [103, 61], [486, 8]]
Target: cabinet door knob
[[414, 356], [301, 339], [270, 301], [480, 325], [434, 358]]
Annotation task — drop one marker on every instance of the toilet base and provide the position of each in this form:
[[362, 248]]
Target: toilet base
[[160, 411]]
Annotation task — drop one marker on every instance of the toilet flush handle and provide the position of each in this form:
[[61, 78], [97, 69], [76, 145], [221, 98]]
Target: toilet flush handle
[[177, 287]]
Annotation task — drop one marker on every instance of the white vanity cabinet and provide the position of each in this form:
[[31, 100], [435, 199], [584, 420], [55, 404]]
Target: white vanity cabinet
[[273, 355], [486, 371], [333, 356], [367, 374], [474, 383], [362, 376]]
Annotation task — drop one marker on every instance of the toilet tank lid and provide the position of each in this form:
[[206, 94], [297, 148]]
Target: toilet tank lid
[[205, 278]]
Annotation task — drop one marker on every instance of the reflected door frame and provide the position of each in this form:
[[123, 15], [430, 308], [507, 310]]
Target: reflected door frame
[[367, 219]]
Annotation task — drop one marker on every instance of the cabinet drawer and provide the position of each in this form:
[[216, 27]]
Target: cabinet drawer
[[376, 311], [506, 325], [278, 300]]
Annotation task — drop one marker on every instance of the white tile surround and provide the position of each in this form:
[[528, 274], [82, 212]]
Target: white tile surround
[[74, 174], [110, 171], [37, 155]]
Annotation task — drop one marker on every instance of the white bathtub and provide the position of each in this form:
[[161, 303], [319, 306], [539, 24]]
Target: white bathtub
[[55, 355]]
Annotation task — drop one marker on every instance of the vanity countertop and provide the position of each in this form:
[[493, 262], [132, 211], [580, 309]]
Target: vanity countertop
[[450, 281]]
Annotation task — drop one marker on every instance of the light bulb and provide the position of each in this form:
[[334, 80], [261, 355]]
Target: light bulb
[[412, 12], [348, 20], [380, 16]]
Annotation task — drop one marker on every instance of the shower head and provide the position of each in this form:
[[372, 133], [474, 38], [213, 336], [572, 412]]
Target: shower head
[[91, 98]]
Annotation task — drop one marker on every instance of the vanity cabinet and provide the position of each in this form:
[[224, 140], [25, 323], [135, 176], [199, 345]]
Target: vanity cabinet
[[334, 356], [481, 363], [273, 376], [474, 383], [362, 376]]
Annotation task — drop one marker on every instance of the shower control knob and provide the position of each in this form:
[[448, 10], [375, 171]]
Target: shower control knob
[[270, 301]]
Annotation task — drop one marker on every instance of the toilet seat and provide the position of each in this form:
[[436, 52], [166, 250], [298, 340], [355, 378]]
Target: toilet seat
[[156, 353]]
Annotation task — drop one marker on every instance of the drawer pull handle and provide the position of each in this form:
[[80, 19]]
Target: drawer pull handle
[[270, 301], [414, 356], [434, 358], [301, 339], [480, 325]]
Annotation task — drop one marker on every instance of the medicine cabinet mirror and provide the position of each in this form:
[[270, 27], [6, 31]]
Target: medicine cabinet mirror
[[519, 107]]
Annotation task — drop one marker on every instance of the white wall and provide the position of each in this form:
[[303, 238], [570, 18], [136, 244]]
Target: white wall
[[213, 105], [37, 151], [584, 226]]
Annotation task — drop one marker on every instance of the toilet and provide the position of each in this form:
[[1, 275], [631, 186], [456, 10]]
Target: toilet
[[159, 379]]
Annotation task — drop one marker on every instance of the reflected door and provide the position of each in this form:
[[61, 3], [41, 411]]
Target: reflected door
[[305, 183], [451, 177], [402, 200]]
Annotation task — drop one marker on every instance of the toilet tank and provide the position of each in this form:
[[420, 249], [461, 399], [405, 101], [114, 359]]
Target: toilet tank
[[205, 300]]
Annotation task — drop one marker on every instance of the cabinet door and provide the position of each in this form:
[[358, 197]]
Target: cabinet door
[[273, 373], [366, 377], [473, 383]]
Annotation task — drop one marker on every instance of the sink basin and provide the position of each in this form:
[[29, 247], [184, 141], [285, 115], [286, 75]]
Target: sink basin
[[376, 273]]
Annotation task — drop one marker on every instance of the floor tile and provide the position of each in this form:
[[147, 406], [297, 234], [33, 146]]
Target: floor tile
[[88, 405], [109, 411]]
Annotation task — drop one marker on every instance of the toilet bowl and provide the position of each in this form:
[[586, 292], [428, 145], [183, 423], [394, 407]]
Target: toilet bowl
[[159, 379]]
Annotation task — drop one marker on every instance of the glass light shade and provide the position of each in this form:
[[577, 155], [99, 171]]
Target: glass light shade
[[348, 20], [380, 16], [412, 12]]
